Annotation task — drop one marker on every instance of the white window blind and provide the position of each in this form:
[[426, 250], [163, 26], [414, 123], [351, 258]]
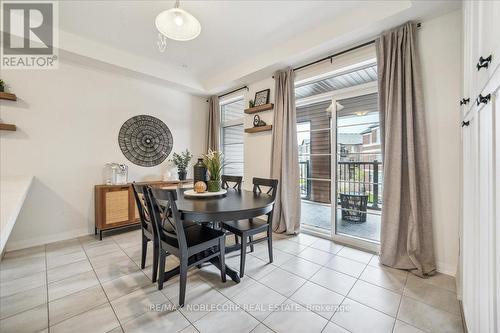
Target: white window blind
[[232, 112]]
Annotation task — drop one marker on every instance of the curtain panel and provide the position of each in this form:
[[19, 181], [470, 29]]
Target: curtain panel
[[285, 156], [213, 131], [406, 231]]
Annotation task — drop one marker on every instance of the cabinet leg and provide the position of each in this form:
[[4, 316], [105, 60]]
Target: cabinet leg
[[95, 230], [100, 235]]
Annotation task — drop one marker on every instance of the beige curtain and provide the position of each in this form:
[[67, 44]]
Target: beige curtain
[[406, 236], [213, 132], [284, 157]]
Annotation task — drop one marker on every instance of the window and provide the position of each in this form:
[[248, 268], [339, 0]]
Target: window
[[232, 112]]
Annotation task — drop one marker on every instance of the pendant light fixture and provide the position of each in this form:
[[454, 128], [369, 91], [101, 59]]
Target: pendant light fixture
[[176, 24]]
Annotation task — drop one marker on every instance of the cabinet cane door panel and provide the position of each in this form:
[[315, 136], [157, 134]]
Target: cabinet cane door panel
[[117, 206]]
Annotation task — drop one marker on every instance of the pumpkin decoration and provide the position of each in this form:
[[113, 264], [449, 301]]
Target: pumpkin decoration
[[200, 187]]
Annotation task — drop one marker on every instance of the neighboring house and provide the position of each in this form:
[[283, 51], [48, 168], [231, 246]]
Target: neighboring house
[[349, 146], [371, 147]]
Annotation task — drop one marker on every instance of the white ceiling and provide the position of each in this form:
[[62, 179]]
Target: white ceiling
[[239, 39]]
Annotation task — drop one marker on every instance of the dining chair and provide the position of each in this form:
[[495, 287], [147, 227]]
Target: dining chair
[[246, 229], [233, 182], [192, 245], [148, 233]]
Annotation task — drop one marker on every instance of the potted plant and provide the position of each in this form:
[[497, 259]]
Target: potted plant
[[3, 85], [214, 163], [181, 161]]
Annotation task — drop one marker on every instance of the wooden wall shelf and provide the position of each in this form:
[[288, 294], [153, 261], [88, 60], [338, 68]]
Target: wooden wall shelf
[[8, 96], [259, 129], [7, 127], [260, 108]]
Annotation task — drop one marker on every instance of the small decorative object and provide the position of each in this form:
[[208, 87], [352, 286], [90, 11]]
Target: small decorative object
[[251, 104], [200, 187], [3, 86], [214, 163], [199, 171], [194, 194], [115, 174], [181, 161], [145, 140], [167, 175], [262, 97], [257, 122]]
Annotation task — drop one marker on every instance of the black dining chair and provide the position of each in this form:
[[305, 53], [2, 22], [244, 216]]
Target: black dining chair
[[193, 245], [233, 182], [148, 232], [246, 229]]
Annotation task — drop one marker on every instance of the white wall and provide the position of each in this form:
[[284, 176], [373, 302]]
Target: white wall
[[440, 50], [68, 122], [441, 56]]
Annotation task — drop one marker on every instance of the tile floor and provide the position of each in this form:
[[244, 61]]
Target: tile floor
[[314, 285]]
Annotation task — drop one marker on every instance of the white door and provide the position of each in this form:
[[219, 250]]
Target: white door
[[486, 222], [470, 250]]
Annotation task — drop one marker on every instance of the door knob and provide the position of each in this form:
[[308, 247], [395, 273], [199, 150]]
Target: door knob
[[464, 101], [465, 123], [483, 62], [483, 99]]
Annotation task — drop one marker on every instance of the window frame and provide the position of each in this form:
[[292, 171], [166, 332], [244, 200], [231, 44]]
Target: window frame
[[231, 123]]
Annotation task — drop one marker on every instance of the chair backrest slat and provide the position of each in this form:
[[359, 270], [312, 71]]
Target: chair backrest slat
[[144, 215], [236, 180], [166, 217], [271, 184]]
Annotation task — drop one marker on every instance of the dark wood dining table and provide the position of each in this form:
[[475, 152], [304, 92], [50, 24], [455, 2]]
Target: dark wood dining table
[[233, 206]]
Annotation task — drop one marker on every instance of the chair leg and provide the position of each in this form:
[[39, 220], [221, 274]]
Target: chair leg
[[243, 254], [183, 280], [236, 239], [222, 258], [144, 251], [270, 243], [161, 277], [155, 261], [251, 243]]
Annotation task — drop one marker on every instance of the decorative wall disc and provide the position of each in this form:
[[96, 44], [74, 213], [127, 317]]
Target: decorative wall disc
[[145, 140]]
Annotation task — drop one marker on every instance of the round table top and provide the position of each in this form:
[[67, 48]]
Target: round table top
[[236, 204]]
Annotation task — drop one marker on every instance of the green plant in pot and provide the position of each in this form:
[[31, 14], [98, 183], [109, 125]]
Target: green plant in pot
[[214, 163], [181, 161]]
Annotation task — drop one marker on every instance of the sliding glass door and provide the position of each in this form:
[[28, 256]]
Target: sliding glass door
[[359, 171], [315, 161]]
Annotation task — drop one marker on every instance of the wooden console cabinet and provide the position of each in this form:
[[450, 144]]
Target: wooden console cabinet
[[115, 205]]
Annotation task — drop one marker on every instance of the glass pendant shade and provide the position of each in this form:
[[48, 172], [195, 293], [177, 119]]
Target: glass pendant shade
[[177, 24]]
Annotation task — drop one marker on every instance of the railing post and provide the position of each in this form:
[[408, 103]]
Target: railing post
[[375, 184]]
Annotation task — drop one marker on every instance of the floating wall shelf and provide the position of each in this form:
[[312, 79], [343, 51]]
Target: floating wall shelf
[[260, 108], [7, 127], [259, 129], [8, 96]]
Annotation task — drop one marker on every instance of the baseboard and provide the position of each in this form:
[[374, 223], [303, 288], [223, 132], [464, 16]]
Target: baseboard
[[446, 268], [25, 243]]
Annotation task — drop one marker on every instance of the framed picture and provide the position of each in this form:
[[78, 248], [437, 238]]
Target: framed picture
[[262, 97]]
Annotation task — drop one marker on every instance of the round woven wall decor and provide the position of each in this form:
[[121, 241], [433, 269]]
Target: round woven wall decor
[[145, 140]]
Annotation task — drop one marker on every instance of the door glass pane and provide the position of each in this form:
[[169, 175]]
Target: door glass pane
[[359, 168], [314, 141]]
